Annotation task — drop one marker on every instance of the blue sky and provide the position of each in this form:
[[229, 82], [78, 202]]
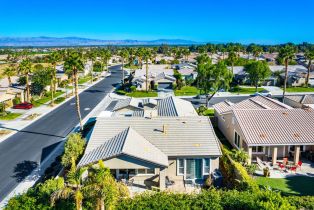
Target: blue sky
[[267, 21]]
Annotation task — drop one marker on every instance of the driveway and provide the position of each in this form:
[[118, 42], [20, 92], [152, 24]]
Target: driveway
[[21, 153]]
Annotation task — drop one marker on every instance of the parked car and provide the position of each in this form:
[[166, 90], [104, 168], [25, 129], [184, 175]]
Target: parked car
[[24, 105], [262, 93]]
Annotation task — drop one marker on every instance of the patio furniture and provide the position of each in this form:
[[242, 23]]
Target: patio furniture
[[262, 164], [293, 168], [285, 161], [281, 166], [169, 182], [299, 164]]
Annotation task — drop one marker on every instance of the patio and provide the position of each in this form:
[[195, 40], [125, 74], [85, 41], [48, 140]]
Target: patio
[[306, 169]]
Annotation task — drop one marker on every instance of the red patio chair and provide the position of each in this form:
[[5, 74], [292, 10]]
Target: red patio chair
[[299, 164], [281, 166], [294, 168]]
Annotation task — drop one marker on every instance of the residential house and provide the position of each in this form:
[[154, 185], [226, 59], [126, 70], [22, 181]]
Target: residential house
[[148, 107], [266, 128], [300, 101], [8, 93], [149, 149]]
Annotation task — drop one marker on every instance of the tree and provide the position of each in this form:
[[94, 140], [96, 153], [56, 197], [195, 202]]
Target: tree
[[25, 68], [186, 52], [53, 59], [40, 79], [286, 53], [232, 58], [9, 72], [257, 70], [73, 149], [73, 188], [147, 55], [92, 56], [124, 54], [309, 54], [73, 65], [105, 56], [256, 50], [102, 186]]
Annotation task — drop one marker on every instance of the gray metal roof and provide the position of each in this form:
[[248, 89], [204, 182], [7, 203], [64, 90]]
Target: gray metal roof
[[302, 99], [257, 102], [185, 136], [276, 127], [127, 142]]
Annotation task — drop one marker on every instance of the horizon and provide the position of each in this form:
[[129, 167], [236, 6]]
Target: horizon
[[240, 21]]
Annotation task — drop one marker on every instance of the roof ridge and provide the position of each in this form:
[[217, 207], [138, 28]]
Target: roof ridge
[[260, 103]]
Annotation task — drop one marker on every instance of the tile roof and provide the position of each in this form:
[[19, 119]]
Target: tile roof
[[302, 99], [127, 142], [276, 127], [185, 136], [257, 102]]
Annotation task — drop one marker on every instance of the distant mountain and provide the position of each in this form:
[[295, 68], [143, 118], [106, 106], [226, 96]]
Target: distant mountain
[[77, 41]]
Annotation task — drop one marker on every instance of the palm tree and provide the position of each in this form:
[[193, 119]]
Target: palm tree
[[147, 55], [309, 54], [25, 68], [106, 55], [232, 57], [92, 55], [286, 53], [53, 59], [124, 55], [139, 55], [256, 50], [9, 72], [102, 186], [73, 65], [186, 53], [72, 188]]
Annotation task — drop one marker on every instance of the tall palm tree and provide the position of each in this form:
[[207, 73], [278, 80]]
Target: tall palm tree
[[147, 55], [286, 53], [232, 57], [139, 55], [92, 56], [53, 59], [9, 72], [73, 65], [102, 186], [309, 54], [124, 55], [106, 55], [256, 50], [72, 188], [25, 68]]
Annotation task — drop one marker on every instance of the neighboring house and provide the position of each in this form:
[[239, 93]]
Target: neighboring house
[[147, 150], [266, 128], [166, 107], [300, 101], [186, 70], [160, 76], [269, 57], [8, 93]]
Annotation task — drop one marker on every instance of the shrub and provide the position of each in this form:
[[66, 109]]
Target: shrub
[[251, 168], [302, 202], [121, 92], [133, 88], [64, 83], [59, 100], [73, 148], [16, 100]]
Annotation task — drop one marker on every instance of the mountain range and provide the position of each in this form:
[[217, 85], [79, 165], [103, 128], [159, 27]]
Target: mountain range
[[78, 41]]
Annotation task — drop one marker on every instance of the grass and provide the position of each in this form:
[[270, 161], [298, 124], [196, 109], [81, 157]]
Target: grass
[[45, 99], [300, 89], [59, 100], [209, 112], [84, 79], [246, 90], [296, 185], [142, 94], [133, 67], [10, 116], [187, 91]]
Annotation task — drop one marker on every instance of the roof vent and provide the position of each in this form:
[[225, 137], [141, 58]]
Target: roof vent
[[262, 135], [296, 135], [285, 113]]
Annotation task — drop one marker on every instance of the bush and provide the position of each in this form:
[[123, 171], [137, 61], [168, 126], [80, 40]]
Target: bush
[[251, 168], [16, 100], [120, 92], [302, 202], [59, 100], [133, 88], [64, 83]]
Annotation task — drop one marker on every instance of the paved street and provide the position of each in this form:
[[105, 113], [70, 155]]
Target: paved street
[[21, 153]]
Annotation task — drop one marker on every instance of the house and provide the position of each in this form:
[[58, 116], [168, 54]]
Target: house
[[269, 57], [160, 75], [148, 107], [147, 150], [8, 93], [266, 128], [300, 101]]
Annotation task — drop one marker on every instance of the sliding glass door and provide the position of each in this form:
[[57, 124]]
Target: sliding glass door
[[193, 168]]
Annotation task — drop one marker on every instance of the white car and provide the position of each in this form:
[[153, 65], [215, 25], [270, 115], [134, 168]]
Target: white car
[[265, 93]]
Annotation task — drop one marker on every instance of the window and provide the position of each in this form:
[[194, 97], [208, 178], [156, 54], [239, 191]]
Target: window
[[237, 139], [257, 149], [206, 166], [143, 171], [180, 169]]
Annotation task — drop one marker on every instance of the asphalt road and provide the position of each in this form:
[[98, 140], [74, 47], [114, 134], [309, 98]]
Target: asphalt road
[[21, 153]]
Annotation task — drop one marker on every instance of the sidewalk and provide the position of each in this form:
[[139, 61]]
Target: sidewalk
[[13, 126]]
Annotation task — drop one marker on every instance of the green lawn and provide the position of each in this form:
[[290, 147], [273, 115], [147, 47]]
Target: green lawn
[[298, 185], [142, 94], [10, 116], [300, 89], [84, 79], [187, 91], [45, 99], [246, 90]]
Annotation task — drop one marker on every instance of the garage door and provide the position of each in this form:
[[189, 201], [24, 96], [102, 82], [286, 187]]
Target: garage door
[[164, 85]]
